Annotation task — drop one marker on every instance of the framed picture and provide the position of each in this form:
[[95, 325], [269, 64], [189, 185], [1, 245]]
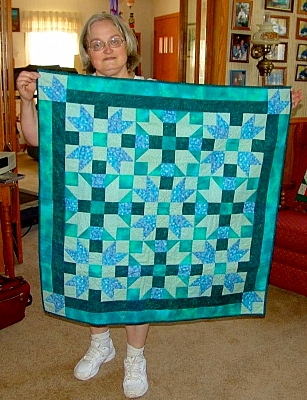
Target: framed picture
[[280, 25], [301, 29], [237, 78], [278, 77], [279, 5], [239, 47], [15, 20], [301, 54], [242, 15], [301, 73], [301, 6], [279, 53]]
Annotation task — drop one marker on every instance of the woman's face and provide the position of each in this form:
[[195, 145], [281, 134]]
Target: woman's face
[[111, 62]]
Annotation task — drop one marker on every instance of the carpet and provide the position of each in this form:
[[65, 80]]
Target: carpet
[[158, 201]]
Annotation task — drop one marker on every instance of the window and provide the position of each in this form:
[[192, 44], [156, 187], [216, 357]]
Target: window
[[52, 48], [51, 37]]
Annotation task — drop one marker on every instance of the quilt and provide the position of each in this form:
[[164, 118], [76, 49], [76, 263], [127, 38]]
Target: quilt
[[158, 200]]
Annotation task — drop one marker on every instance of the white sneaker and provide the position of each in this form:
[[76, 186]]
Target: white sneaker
[[96, 355], [135, 381]]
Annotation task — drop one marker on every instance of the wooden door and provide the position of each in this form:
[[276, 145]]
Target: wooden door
[[8, 140], [166, 48]]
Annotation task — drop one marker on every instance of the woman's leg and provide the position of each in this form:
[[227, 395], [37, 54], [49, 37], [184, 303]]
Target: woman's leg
[[95, 330], [137, 335], [135, 381], [101, 350]]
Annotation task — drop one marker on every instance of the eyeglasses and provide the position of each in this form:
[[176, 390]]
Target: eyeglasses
[[98, 45]]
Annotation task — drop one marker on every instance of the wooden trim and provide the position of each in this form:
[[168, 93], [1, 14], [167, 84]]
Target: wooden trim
[[217, 40], [298, 120], [197, 40], [183, 15]]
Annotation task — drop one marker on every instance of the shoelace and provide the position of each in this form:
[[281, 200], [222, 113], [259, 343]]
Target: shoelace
[[94, 351], [133, 369]]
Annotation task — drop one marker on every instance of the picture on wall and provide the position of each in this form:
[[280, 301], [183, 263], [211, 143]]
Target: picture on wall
[[239, 47], [279, 5], [301, 73], [301, 52], [280, 25], [237, 78], [242, 15], [301, 6], [279, 53], [15, 20], [301, 29], [278, 77]]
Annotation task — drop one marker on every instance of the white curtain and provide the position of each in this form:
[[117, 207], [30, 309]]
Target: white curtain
[[48, 21]]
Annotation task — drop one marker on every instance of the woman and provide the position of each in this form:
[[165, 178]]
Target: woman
[[107, 48]]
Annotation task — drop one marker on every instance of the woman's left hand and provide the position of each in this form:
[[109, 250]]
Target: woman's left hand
[[296, 97]]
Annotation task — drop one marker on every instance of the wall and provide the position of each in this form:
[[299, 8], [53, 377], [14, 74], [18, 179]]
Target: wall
[[252, 76], [163, 7]]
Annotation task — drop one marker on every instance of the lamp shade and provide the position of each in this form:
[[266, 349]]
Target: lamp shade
[[265, 36], [130, 3]]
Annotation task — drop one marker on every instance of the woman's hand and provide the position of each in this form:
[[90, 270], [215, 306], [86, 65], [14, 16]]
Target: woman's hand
[[296, 97], [26, 84]]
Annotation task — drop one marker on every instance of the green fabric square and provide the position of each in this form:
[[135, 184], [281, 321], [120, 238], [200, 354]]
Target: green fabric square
[[186, 245], [71, 178], [84, 206], [95, 246], [192, 169], [123, 234], [100, 139], [232, 145], [141, 168], [220, 268], [163, 208], [126, 182], [226, 208]]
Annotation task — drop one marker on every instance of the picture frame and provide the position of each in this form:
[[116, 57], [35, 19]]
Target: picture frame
[[279, 53], [237, 78], [301, 54], [301, 73], [15, 20], [242, 15], [280, 25], [279, 5], [301, 28], [239, 47], [277, 77], [301, 7]]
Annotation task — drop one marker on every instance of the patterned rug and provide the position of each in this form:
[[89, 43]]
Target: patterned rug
[[158, 201]]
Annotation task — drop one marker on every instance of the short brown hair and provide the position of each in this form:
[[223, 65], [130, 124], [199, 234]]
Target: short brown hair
[[133, 58]]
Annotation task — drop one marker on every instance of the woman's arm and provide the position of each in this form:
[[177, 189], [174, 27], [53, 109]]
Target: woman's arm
[[296, 97], [26, 85]]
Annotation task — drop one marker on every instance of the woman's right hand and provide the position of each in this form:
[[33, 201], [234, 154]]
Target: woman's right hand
[[26, 84]]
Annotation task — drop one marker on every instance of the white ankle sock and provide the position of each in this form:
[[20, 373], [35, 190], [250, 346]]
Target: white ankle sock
[[104, 338], [133, 352]]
